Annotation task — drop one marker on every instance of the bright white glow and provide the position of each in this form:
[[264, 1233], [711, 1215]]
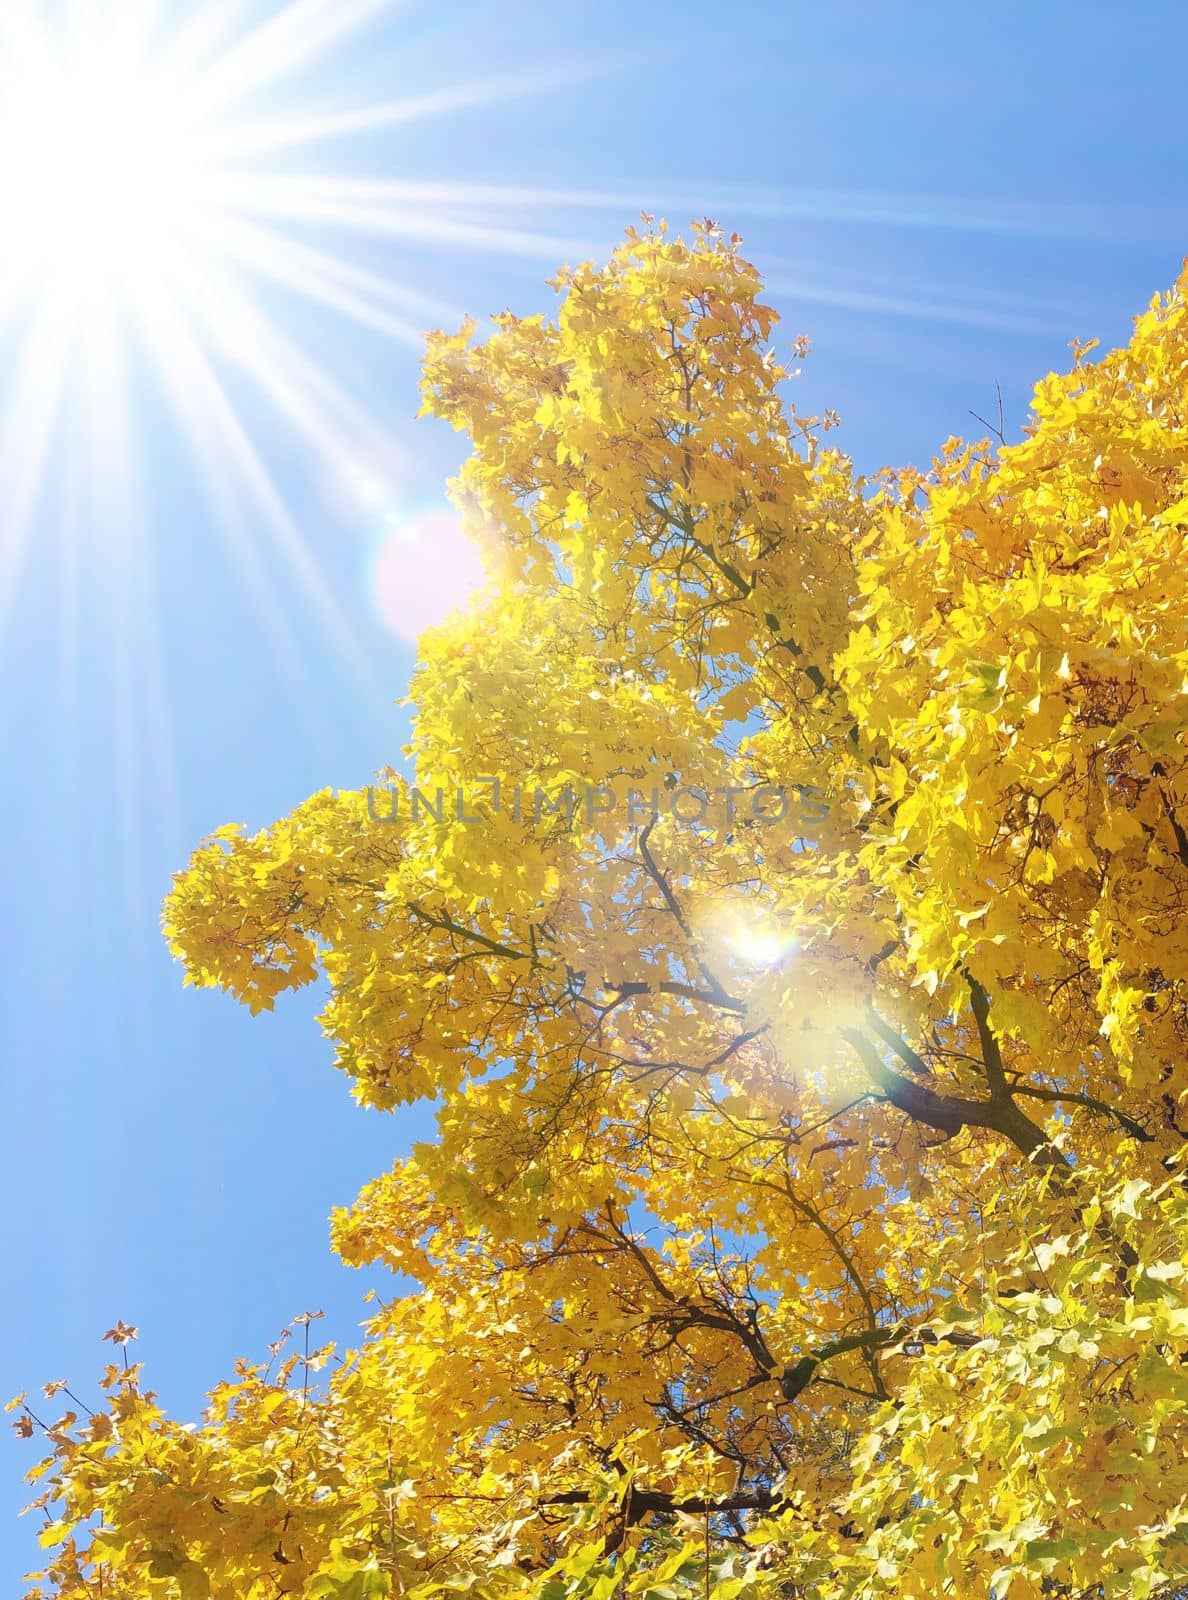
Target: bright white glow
[[158, 185], [760, 944], [104, 173]]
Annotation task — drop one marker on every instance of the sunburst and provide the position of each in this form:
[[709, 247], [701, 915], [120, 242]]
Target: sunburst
[[161, 179]]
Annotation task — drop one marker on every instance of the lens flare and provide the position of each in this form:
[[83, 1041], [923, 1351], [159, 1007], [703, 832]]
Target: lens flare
[[170, 201], [760, 944], [424, 569]]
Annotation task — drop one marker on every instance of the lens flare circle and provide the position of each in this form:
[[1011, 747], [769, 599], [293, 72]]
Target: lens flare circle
[[423, 569]]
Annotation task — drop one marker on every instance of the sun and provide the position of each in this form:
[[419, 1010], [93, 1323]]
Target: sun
[[760, 943], [107, 168], [173, 203], [747, 933]]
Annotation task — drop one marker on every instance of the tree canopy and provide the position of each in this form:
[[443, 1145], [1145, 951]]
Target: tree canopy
[[786, 911]]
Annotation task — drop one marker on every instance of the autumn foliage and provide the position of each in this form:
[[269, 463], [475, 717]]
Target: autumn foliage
[[807, 1214]]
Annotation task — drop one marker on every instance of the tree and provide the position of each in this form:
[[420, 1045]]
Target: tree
[[806, 1006]]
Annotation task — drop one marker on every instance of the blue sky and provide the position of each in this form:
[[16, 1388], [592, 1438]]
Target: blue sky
[[941, 197]]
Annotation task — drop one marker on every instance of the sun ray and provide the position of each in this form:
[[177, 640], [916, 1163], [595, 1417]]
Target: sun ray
[[26, 429], [355, 205], [299, 389], [336, 270], [280, 134], [187, 377], [912, 308], [302, 30], [119, 580], [434, 192], [221, 442], [186, 51], [312, 273]]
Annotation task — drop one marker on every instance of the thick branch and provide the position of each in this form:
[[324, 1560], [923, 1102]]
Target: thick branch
[[991, 1053], [641, 1503], [950, 1113], [686, 991]]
